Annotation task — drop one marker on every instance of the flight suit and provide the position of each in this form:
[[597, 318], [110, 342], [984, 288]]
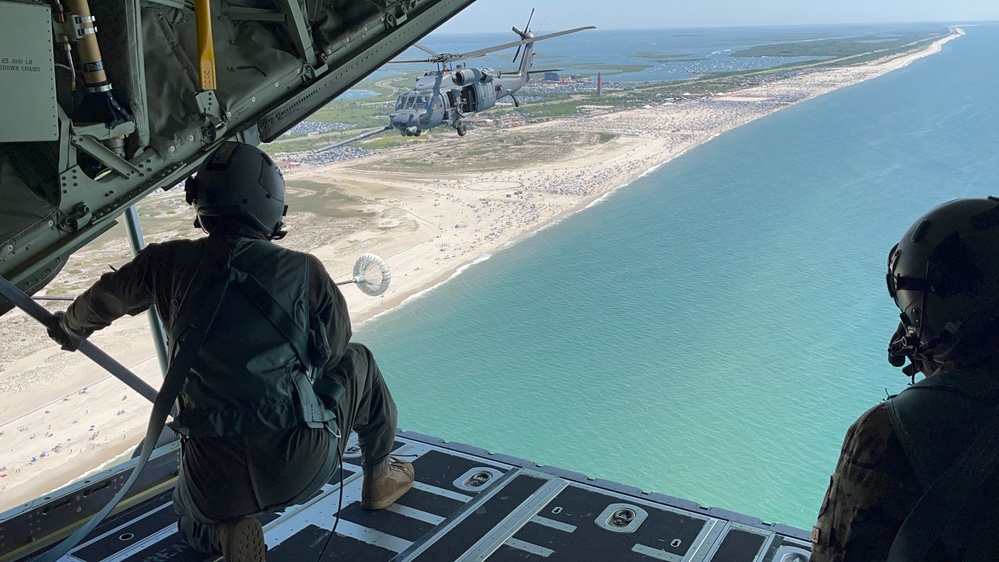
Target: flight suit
[[260, 426], [892, 454]]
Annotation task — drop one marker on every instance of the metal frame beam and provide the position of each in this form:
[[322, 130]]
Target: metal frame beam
[[137, 242]]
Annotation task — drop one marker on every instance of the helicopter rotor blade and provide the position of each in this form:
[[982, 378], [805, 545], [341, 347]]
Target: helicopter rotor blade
[[487, 50], [434, 55], [425, 49]]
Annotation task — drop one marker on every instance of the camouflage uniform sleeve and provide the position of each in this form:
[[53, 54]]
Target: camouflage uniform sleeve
[[869, 495]]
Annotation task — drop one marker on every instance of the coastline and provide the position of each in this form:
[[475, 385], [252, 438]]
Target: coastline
[[803, 87], [402, 224]]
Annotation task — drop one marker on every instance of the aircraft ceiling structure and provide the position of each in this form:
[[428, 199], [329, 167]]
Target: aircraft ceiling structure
[[87, 130]]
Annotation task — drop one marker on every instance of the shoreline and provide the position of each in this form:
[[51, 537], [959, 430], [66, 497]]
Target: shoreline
[[365, 312], [367, 315], [405, 217]]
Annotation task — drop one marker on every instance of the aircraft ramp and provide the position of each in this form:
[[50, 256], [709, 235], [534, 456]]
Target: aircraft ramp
[[467, 504]]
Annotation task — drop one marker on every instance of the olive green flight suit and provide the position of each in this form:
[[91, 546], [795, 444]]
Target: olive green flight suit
[[259, 428]]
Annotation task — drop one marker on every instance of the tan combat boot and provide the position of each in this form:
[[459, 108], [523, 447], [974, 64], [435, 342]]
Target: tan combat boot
[[379, 492], [242, 541]]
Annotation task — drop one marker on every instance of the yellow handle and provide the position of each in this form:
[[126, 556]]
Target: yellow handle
[[206, 48]]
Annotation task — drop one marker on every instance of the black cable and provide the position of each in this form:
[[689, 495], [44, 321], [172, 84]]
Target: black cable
[[339, 506]]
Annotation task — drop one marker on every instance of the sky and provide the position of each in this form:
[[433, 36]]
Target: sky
[[498, 15]]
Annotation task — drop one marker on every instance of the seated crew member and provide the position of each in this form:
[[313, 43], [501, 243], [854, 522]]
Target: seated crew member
[[260, 424], [907, 486]]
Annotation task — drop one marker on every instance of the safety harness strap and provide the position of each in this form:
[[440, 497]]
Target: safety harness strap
[[265, 303], [940, 507]]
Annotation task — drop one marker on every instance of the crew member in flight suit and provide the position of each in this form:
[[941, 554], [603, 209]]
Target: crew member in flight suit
[[919, 447], [260, 424]]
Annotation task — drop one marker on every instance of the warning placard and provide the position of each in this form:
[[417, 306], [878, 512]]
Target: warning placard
[[27, 74]]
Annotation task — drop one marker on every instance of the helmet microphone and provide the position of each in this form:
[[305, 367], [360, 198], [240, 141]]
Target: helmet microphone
[[901, 346]]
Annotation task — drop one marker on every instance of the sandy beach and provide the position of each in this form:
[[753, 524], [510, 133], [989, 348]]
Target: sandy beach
[[428, 210]]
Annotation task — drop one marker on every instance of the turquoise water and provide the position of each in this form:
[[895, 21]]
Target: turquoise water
[[711, 330]]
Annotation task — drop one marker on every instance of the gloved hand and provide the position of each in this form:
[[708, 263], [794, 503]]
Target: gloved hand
[[62, 336]]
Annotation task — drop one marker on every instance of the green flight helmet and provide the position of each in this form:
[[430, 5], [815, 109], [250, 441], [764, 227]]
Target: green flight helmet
[[944, 277], [239, 181]]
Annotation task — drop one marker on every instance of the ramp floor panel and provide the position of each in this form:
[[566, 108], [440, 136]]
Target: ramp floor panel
[[467, 504]]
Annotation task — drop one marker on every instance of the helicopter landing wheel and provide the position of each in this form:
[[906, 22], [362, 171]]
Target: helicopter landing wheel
[[419, 132], [461, 129]]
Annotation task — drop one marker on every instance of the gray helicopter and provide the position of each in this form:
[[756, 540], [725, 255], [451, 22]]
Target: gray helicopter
[[449, 94]]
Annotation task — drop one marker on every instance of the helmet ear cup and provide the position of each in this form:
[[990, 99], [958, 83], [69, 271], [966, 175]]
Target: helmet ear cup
[[191, 189], [191, 195]]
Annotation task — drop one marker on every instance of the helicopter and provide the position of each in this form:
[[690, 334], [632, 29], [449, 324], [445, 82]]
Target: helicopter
[[447, 95]]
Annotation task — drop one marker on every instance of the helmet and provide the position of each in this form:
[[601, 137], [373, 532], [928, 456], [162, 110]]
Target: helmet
[[944, 278], [239, 181]]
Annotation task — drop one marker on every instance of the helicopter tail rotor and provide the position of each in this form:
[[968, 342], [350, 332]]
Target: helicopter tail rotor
[[523, 34]]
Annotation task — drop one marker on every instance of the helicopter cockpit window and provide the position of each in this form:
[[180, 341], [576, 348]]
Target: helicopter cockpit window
[[406, 101], [422, 101]]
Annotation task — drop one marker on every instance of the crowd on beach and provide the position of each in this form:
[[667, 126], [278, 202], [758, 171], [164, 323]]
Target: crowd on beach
[[324, 158], [56, 435], [309, 127]]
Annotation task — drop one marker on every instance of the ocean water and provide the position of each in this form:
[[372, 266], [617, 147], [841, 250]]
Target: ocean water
[[640, 55], [710, 330]]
